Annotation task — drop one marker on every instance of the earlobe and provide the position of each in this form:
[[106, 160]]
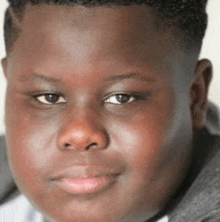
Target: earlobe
[[199, 93], [4, 66]]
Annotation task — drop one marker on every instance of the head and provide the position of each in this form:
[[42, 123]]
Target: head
[[104, 100]]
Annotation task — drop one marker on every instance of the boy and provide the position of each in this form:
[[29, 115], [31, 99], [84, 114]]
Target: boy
[[106, 112]]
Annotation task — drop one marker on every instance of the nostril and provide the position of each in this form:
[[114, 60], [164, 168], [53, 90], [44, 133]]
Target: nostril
[[66, 145], [92, 145]]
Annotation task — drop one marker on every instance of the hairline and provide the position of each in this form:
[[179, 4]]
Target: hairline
[[184, 43]]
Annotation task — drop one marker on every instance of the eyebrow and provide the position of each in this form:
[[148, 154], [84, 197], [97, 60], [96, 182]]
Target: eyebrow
[[40, 77], [136, 76]]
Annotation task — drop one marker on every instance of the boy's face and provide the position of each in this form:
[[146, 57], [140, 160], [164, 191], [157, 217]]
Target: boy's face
[[98, 112]]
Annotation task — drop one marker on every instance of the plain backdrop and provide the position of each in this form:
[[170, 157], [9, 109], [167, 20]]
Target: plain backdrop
[[210, 50]]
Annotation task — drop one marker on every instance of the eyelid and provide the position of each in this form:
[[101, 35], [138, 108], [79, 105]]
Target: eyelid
[[118, 93], [135, 95], [42, 98]]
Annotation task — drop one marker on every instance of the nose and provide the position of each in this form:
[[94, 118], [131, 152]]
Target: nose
[[82, 134]]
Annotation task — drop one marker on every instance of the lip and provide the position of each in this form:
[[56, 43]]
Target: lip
[[85, 179], [86, 185]]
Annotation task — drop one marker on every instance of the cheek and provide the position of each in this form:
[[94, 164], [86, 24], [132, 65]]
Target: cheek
[[29, 143], [145, 141], [146, 135], [142, 143]]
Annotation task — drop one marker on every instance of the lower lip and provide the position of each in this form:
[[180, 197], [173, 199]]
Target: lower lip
[[87, 185]]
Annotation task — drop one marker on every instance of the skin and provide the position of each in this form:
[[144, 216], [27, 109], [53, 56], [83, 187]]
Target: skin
[[86, 56]]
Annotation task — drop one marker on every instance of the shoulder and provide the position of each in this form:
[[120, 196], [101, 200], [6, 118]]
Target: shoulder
[[202, 200], [7, 185], [19, 210]]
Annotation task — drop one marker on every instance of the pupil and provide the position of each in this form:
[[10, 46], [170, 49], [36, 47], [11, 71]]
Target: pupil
[[122, 98], [52, 98]]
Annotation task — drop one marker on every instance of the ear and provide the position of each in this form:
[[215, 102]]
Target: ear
[[199, 93], [4, 66]]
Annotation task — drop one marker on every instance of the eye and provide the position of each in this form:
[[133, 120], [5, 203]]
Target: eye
[[50, 99], [119, 99]]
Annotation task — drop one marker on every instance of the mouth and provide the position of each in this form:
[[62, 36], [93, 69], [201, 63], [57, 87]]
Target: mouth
[[86, 185], [81, 180]]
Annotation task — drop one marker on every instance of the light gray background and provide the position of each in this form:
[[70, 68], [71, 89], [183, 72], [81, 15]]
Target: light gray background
[[210, 50]]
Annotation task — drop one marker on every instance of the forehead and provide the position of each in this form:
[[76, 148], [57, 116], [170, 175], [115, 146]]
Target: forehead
[[73, 37], [81, 18]]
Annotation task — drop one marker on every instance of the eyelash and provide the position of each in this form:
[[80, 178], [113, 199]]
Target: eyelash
[[43, 99], [110, 99], [130, 98]]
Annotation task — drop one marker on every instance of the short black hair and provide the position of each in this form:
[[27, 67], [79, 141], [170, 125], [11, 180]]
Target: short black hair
[[187, 16]]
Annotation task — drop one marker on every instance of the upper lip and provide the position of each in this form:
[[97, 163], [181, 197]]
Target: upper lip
[[83, 172]]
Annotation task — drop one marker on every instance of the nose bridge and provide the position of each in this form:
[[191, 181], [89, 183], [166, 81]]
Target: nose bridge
[[82, 130]]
